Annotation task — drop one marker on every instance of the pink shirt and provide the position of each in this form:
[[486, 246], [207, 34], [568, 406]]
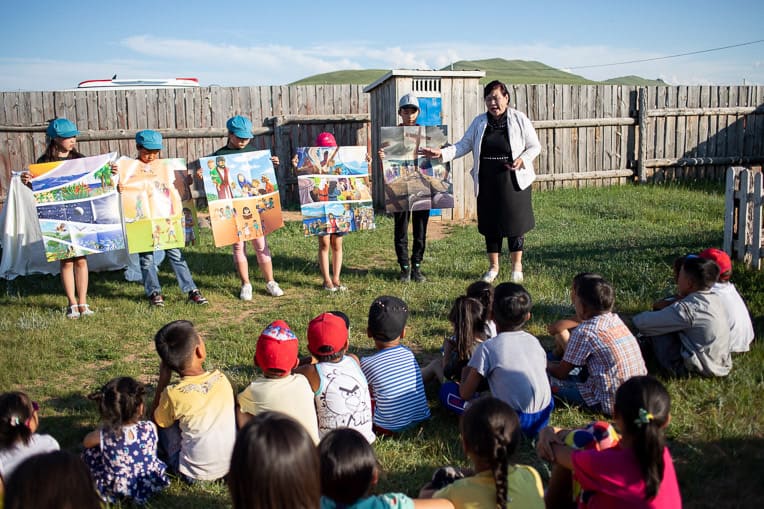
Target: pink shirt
[[614, 478]]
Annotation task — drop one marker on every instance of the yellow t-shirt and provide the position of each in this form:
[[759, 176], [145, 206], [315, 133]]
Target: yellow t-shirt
[[204, 407], [524, 490]]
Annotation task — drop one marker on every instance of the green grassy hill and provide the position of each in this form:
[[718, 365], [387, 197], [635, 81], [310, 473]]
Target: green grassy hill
[[508, 71]]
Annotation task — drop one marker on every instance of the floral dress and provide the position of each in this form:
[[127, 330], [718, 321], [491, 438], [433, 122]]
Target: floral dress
[[125, 464]]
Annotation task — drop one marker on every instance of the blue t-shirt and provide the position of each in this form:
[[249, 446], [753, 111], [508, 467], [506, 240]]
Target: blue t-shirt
[[397, 388], [386, 501]]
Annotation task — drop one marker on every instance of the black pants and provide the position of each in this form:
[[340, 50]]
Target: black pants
[[493, 244], [419, 225]]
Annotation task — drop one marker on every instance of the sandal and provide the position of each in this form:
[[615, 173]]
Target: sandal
[[85, 310], [73, 312]]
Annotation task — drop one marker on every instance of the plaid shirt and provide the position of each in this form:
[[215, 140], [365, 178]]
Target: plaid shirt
[[611, 355]]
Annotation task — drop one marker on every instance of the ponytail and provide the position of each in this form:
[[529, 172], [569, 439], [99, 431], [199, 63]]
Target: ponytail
[[490, 431], [15, 414], [643, 404], [466, 317]]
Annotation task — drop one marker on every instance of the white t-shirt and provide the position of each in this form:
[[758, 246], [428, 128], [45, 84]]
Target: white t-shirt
[[741, 328], [13, 457], [290, 395]]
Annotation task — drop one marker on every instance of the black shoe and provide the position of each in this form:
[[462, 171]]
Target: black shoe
[[156, 300], [195, 297], [417, 275], [405, 275]]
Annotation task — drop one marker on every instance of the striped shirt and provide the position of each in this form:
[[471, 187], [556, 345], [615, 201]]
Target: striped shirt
[[610, 353], [397, 388]]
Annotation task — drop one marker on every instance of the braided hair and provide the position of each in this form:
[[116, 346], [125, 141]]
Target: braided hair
[[643, 405], [491, 431]]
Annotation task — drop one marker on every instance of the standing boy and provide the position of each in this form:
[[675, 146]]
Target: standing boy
[[196, 416], [149, 143], [393, 373], [278, 389]]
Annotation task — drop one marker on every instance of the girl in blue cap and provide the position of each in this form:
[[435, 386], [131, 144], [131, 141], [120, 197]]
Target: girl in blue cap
[[62, 142]]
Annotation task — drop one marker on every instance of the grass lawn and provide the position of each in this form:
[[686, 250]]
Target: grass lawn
[[629, 234]]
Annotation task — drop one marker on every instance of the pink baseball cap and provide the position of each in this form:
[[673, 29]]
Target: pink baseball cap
[[325, 140]]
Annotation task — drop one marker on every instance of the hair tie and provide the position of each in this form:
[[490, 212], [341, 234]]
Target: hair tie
[[14, 421], [644, 418]]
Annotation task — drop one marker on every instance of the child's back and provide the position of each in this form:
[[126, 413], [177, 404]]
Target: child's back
[[741, 327], [393, 373]]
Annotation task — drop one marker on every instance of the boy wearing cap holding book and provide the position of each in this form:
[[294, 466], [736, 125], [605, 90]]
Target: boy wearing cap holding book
[[341, 392], [394, 376], [278, 389]]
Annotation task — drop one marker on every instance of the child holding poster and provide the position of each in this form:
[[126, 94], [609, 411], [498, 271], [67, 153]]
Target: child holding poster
[[62, 142], [408, 110], [239, 136], [149, 143]]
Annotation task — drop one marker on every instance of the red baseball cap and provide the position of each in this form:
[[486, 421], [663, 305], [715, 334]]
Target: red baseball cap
[[325, 140], [327, 334], [277, 348], [721, 259]]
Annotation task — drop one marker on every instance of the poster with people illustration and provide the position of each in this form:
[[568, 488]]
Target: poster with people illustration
[[152, 205], [335, 193], [77, 206], [242, 195], [413, 182]]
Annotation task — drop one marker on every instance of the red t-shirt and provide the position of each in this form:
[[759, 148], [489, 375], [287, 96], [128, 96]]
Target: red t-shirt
[[613, 479]]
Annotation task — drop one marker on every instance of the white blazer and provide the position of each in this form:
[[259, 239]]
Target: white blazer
[[522, 139]]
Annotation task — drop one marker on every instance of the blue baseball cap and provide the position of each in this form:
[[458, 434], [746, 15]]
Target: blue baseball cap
[[148, 139], [61, 128], [239, 126]]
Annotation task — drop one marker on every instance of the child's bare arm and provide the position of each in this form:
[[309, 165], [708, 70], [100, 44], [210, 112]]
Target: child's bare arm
[[242, 418], [432, 503], [470, 385], [559, 369], [561, 325], [165, 374], [309, 371], [92, 439]]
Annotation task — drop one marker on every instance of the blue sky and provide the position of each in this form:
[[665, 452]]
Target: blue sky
[[55, 45]]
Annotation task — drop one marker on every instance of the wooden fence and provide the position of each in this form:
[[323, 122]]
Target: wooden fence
[[743, 216], [590, 134]]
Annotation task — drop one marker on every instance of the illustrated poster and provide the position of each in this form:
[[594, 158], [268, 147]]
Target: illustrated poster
[[242, 195], [151, 204], [335, 192], [78, 206], [413, 182]]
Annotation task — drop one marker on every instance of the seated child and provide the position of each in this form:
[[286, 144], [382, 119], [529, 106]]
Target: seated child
[[278, 389], [19, 420], [394, 377], [602, 344], [122, 453], [483, 292], [196, 416], [513, 362], [560, 330], [341, 392], [490, 432], [274, 464], [741, 327], [55, 479], [693, 333], [637, 471], [349, 471]]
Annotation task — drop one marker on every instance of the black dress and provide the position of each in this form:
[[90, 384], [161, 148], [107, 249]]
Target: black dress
[[503, 210]]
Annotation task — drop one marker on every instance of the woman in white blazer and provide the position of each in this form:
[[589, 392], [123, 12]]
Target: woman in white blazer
[[504, 145]]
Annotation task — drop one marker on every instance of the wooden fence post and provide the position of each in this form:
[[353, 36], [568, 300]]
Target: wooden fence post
[[642, 148], [742, 215], [729, 209], [756, 240]]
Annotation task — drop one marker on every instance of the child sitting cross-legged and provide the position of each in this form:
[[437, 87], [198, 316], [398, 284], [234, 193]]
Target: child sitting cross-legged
[[393, 373], [196, 416], [349, 471], [122, 453], [278, 389], [340, 389], [513, 362], [490, 432], [601, 343]]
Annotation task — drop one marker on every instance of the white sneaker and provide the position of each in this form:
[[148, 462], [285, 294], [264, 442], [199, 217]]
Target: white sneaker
[[246, 292], [516, 277], [274, 289], [489, 276]]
